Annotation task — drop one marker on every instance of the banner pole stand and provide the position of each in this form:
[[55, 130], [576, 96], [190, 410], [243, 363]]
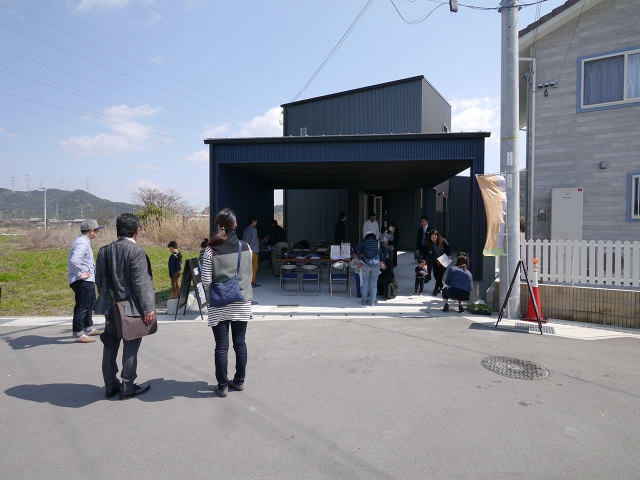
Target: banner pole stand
[[506, 298]]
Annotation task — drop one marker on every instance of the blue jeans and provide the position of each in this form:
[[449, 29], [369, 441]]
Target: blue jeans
[[370, 274], [85, 293], [221, 334]]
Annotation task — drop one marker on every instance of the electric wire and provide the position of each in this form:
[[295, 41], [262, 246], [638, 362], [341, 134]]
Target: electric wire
[[148, 130], [160, 87], [335, 49], [96, 128], [584, 2], [155, 57], [419, 20], [154, 99]]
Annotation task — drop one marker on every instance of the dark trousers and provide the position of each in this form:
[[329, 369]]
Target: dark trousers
[[456, 294], [438, 273], [221, 334], [110, 356], [85, 300], [419, 283]]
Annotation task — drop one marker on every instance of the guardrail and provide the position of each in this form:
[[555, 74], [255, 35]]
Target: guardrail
[[584, 263]]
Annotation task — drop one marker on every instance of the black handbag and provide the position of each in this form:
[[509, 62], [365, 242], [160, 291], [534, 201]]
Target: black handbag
[[225, 293]]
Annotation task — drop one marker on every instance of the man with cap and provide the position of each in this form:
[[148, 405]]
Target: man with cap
[[82, 278]]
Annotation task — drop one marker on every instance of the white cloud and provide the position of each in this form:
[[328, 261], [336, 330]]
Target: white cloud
[[267, 125], [14, 135], [126, 137], [475, 114], [101, 5], [201, 156], [158, 59], [152, 19]]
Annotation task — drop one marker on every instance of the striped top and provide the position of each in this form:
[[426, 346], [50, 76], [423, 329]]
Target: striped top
[[237, 311]]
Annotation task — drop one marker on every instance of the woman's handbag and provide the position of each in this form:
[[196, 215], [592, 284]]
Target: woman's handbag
[[130, 328], [225, 293]]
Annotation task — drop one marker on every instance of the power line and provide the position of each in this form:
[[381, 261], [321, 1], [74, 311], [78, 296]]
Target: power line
[[417, 21], [96, 128], [584, 2], [121, 72], [155, 57], [335, 49], [97, 118]]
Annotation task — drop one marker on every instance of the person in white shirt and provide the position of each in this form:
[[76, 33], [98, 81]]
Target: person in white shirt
[[371, 226]]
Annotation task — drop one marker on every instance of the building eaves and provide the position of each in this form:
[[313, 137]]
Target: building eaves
[[547, 17], [362, 89], [348, 138]]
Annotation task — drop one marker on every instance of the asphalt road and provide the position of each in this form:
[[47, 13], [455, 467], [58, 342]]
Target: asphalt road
[[363, 398]]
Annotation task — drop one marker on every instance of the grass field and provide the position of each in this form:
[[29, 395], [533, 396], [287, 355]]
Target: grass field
[[34, 282]]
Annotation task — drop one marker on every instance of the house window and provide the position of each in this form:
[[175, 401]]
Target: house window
[[610, 80], [445, 129], [634, 197], [303, 132]]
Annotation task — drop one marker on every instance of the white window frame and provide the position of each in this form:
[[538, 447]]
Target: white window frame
[[303, 132], [634, 197], [625, 98]]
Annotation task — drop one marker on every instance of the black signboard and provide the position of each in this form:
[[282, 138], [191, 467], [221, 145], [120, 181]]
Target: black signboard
[[191, 276]]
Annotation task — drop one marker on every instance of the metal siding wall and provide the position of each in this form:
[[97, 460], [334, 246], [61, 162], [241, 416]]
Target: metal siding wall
[[312, 214], [401, 211], [388, 109], [459, 214], [435, 110]]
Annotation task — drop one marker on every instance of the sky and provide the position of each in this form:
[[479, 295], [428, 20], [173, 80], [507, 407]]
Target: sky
[[112, 95]]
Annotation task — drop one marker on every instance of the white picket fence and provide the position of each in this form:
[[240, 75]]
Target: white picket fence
[[584, 263]]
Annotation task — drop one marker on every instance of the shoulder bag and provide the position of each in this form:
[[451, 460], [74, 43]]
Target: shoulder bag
[[225, 293], [130, 328]]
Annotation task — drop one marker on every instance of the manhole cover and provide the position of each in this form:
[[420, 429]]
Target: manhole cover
[[515, 368]]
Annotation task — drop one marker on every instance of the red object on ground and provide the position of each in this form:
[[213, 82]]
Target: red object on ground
[[530, 316]]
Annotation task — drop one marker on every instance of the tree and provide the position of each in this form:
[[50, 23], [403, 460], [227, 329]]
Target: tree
[[155, 203]]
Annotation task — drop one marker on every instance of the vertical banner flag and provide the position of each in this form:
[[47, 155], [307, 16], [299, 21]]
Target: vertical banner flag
[[494, 194]]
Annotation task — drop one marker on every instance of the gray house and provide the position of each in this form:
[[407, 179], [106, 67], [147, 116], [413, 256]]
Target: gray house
[[582, 112], [410, 105]]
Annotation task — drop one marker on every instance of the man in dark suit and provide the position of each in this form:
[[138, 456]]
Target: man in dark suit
[[123, 273], [422, 240]]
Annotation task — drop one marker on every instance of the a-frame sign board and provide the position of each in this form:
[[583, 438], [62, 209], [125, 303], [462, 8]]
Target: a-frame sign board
[[533, 298], [191, 276]]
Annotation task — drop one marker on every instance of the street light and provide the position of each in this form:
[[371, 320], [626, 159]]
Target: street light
[[43, 189]]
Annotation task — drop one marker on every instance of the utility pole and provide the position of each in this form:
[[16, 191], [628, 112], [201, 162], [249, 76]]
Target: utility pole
[[45, 205], [509, 161]]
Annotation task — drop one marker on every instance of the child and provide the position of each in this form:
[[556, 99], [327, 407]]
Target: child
[[459, 283], [421, 274], [175, 268], [203, 247], [384, 235]]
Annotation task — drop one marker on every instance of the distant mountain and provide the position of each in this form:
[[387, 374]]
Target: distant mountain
[[70, 205]]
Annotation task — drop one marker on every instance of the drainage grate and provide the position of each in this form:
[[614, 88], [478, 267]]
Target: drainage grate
[[533, 327], [6, 320], [514, 368]]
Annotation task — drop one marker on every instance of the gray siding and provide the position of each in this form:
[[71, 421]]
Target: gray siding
[[404, 106], [569, 145], [404, 209], [459, 235], [312, 214]]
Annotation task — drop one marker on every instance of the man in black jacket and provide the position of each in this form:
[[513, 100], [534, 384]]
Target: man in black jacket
[[278, 239], [422, 239]]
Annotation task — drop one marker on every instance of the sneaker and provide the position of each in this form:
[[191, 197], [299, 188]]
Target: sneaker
[[445, 308], [358, 295], [222, 391], [255, 285], [85, 339], [362, 305], [416, 292], [236, 386], [95, 332], [460, 308]]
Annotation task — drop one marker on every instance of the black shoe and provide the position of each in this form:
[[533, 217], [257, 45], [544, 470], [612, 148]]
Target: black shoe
[[255, 285], [435, 292], [134, 392], [416, 292], [236, 386], [445, 308], [460, 308], [113, 392], [359, 295]]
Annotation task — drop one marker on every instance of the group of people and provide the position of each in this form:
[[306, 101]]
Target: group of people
[[122, 274]]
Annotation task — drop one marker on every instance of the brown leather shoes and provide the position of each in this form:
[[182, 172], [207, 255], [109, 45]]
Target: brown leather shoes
[[135, 391], [236, 386]]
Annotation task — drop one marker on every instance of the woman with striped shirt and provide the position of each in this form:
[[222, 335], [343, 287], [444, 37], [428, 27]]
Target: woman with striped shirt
[[220, 264]]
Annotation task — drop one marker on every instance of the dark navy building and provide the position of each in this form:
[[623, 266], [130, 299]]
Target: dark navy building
[[385, 148]]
